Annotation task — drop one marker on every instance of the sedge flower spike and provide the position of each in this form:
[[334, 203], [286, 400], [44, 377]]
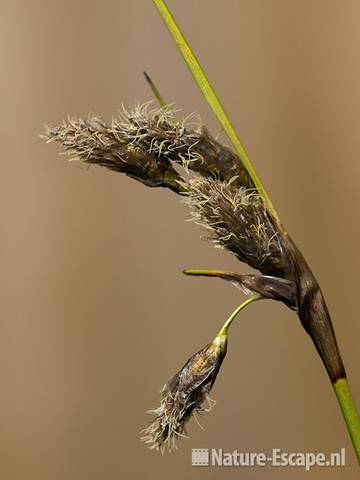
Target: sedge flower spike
[[184, 396]]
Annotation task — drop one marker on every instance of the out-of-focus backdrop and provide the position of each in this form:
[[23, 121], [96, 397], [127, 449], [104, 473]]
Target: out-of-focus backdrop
[[95, 313]]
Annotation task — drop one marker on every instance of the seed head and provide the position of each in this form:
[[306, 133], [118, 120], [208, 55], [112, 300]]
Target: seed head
[[237, 219], [94, 142], [145, 144], [184, 395]]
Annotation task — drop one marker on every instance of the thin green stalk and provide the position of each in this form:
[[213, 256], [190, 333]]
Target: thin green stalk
[[348, 409], [204, 273], [212, 99], [225, 327]]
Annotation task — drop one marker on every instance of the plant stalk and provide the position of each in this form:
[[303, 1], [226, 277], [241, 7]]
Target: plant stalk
[[225, 327], [349, 412]]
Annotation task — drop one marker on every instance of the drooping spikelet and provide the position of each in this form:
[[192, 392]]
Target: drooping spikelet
[[184, 395], [237, 219]]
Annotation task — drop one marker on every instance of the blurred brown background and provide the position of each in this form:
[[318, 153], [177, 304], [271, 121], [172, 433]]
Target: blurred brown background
[[95, 313]]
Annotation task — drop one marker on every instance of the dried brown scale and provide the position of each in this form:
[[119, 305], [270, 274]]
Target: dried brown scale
[[314, 314], [220, 160]]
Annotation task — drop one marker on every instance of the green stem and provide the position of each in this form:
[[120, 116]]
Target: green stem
[[204, 272], [348, 409], [212, 99], [225, 327]]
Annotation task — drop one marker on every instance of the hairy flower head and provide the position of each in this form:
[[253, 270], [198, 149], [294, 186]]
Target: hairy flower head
[[92, 141], [184, 395], [237, 219], [145, 144]]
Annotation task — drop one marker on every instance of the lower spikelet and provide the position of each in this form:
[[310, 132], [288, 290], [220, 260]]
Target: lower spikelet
[[237, 219], [171, 418], [183, 397]]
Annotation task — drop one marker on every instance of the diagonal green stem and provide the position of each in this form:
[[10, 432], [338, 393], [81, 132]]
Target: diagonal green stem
[[212, 99], [348, 409]]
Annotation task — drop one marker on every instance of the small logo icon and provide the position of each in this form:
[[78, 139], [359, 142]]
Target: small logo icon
[[200, 457]]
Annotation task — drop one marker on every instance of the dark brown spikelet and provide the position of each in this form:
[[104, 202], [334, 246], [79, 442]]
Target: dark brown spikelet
[[94, 142], [184, 395], [216, 160], [237, 220], [145, 144]]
